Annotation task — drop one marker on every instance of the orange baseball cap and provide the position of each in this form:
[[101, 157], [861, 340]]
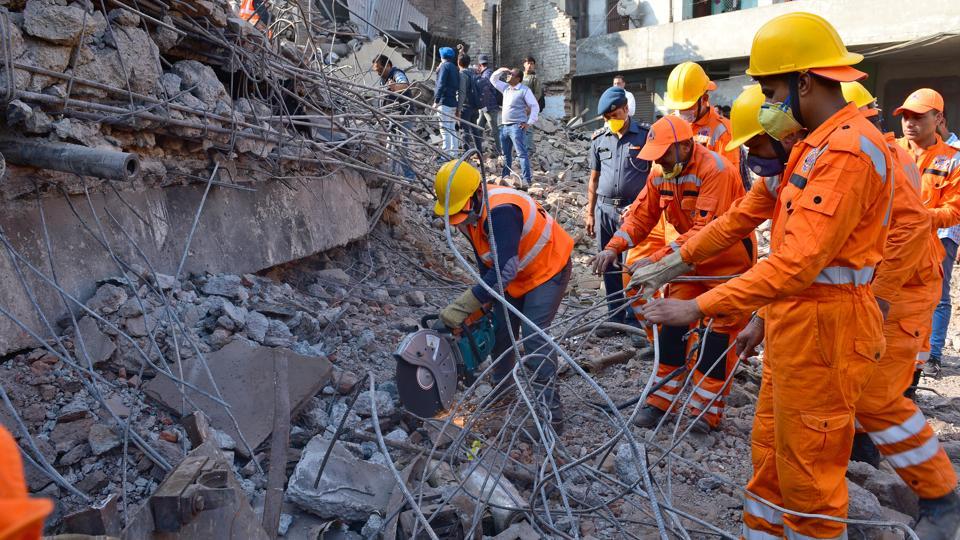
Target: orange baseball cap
[[921, 101], [663, 133]]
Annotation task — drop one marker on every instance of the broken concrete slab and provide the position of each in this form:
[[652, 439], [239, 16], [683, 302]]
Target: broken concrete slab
[[238, 370], [369, 484], [100, 518], [102, 439], [98, 346], [890, 490]]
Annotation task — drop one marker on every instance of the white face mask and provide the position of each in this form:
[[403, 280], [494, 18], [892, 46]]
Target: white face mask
[[689, 116]]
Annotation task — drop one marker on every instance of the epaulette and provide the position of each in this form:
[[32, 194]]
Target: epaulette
[[599, 132], [846, 138]]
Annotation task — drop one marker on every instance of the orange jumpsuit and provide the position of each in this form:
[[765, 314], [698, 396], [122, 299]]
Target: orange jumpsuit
[[706, 188], [939, 180], [910, 279], [824, 331], [21, 518], [713, 131]]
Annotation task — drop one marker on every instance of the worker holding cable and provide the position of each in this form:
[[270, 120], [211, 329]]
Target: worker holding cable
[[691, 187], [823, 325], [532, 267]]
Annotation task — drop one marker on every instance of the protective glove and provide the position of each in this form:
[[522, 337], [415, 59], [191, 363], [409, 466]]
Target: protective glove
[[653, 276], [483, 110], [454, 314]]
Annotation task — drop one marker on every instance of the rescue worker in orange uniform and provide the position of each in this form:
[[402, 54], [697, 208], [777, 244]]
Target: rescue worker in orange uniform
[[823, 326], [687, 88], [21, 517], [693, 186], [534, 267], [939, 165], [908, 285]]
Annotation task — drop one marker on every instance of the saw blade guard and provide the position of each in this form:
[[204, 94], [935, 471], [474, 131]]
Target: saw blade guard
[[429, 350]]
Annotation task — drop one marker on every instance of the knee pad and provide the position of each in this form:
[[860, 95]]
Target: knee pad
[[715, 345], [673, 348]]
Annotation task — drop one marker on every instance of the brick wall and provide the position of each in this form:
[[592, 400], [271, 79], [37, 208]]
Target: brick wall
[[441, 14], [540, 29], [475, 20]]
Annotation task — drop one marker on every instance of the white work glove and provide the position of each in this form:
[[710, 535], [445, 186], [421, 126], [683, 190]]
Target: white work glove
[[483, 110], [650, 278]]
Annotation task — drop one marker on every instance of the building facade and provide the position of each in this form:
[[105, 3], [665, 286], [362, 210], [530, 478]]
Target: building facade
[[907, 45]]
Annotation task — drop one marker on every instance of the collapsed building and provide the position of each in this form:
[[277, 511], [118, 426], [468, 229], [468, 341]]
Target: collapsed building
[[209, 256]]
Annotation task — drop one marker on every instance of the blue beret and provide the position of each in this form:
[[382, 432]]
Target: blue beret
[[612, 98], [447, 52]]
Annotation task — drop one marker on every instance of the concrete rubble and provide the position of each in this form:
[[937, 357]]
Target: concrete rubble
[[167, 357]]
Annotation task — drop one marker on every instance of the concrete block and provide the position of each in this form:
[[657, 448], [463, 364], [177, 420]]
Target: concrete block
[[243, 372], [369, 484]]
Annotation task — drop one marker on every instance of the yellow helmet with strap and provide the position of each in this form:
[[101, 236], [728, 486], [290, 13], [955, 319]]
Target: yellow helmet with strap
[[466, 180]]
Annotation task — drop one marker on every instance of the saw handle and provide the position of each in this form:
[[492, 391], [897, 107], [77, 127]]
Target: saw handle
[[438, 325]]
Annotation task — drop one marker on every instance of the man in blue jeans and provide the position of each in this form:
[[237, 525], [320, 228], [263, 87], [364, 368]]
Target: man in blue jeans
[[445, 100], [520, 110], [941, 317]]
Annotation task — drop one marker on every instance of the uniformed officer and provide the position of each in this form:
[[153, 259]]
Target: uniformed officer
[[617, 175]]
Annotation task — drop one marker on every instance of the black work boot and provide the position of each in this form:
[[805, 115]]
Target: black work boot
[[648, 417], [864, 450], [939, 518], [548, 396], [911, 393]]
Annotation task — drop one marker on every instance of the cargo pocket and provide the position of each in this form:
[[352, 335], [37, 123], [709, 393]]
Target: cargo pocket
[[860, 366], [801, 467]]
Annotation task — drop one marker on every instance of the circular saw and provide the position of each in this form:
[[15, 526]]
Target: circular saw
[[433, 362]]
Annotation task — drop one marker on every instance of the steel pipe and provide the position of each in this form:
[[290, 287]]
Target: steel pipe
[[71, 158]]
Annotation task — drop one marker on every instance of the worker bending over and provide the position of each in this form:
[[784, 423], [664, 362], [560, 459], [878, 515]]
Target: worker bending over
[[693, 186], [533, 263], [823, 326]]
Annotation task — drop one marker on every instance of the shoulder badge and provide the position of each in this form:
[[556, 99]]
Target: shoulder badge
[[598, 133]]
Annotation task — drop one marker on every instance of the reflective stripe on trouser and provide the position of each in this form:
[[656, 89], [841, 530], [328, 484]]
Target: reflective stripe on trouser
[[709, 377], [895, 423], [822, 346]]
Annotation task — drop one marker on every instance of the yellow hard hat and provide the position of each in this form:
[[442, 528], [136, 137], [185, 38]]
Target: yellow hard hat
[[687, 82], [857, 93], [466, 180], [800, 42], [744, 117]]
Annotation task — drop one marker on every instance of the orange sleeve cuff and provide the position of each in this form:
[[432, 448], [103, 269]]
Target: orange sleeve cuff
[[715, 304], [616, 244]]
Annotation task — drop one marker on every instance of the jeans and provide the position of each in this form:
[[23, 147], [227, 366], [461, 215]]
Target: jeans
[[448, 125], [492, 118], [399, 143], [528, 139], [941, 317], [472, 136], [511, 135], [540, 306], [607, 218]]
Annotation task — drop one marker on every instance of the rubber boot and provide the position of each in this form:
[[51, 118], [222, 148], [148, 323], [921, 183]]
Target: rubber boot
[[911, 392], [648, 417], [939, 518], [864, 450]]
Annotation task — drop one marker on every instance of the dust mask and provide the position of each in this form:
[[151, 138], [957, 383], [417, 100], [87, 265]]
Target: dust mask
[[615, 125], [778, 120], [678, 166]]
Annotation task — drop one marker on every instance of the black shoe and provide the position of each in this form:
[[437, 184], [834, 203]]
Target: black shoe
[[932, 368], [864, 450], [939, 518], [701, 427], [549, 397], [911, 392], [648, 417]]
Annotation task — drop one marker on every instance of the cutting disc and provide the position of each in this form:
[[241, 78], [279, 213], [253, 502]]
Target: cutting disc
[[418, 389]]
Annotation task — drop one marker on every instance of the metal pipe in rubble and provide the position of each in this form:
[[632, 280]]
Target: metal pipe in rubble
[[71, 158]]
